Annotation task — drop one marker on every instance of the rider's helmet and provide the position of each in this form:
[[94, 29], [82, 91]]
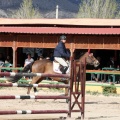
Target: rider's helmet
[[62, 37]]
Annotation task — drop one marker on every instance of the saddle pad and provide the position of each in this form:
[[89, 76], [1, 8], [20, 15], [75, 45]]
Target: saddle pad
[[56, 67]]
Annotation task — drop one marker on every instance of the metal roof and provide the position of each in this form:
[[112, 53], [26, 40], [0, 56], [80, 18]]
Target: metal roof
[[59, 30], [72, 21]]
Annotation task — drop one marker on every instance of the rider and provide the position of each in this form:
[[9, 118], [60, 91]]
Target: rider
[[61, 54]]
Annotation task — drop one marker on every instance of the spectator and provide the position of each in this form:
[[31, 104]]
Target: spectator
[[1, 59], [40, 57], [112, 62], [8, 60], [28, 60]]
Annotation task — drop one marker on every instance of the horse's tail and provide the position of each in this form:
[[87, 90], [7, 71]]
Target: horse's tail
[[26, 69]]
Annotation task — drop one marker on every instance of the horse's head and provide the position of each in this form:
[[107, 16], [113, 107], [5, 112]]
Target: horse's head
[[91, 60]]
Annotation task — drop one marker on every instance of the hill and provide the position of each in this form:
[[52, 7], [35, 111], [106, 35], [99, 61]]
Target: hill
[[67, 8]]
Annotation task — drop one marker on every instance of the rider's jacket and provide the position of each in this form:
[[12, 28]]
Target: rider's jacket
[[61, 51]]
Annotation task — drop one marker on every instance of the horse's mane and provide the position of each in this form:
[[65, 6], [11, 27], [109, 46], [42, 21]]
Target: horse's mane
[[82, 56]]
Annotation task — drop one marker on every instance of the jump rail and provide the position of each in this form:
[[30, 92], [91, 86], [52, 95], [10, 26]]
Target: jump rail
[[33, 112], [33, 85], [33, 97], [33, 74]]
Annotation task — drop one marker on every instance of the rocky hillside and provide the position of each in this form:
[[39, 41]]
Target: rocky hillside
[[67, 8]]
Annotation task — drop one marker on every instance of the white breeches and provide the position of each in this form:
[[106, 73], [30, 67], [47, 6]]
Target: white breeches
[[61, 61]]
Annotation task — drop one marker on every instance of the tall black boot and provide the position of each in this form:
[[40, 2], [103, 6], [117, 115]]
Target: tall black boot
[[64, 70]]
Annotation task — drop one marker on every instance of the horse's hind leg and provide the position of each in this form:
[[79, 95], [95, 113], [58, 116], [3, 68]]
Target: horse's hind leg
[[66, 91], [35, 90], [34, 80]]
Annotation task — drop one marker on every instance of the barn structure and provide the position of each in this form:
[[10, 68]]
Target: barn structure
[[100, 34]]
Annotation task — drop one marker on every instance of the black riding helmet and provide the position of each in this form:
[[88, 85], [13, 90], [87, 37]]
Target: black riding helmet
[[62, 37]]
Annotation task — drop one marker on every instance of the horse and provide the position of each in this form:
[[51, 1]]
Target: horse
[[46, 66]]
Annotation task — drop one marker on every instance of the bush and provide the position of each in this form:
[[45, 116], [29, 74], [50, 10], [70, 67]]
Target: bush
[[111, 89]]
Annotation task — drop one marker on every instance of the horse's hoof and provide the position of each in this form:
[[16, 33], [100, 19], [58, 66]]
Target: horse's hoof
[[36, 93], [28, 94], [55, 99]]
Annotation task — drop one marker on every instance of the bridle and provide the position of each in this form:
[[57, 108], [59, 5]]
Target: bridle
[[91, 58]]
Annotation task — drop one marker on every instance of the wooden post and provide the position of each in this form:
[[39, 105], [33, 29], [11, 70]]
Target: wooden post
[[14, 57], [14, 54]]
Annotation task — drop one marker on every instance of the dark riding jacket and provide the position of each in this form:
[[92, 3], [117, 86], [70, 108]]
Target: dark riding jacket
[[61, 51]]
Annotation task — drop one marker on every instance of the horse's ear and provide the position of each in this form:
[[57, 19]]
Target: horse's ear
[[88, 51]]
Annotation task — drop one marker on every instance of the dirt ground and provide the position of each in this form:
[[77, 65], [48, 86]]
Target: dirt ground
[[96, 107]]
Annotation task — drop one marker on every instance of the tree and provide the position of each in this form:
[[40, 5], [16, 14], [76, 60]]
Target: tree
[[26, 10], [99, 9], [3, 14]]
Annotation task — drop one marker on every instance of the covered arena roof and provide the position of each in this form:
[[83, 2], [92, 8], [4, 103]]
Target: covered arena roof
[[59, 30], [83, 26], [79, 22]]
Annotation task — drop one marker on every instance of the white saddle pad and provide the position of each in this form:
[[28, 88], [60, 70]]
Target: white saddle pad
[[56, 68]]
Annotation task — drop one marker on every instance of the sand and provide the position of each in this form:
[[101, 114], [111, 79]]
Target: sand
[[97, 107]]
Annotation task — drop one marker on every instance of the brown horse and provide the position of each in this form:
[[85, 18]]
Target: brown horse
[[46, 66]]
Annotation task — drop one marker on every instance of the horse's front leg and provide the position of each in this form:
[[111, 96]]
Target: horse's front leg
[[35, 91], [66, 91], [66, 94], [34, 80]]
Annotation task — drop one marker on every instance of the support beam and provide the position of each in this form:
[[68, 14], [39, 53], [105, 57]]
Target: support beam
[[14, 56]]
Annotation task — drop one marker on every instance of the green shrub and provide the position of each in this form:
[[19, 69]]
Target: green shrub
[[111, 89]]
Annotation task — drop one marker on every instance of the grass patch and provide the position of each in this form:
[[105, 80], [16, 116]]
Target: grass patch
[[52, 90], [93, 93], [109, 90]]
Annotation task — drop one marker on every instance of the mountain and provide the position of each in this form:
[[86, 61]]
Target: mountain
[[67, 8]]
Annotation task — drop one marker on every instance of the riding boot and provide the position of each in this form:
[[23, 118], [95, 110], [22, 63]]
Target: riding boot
[[64, 70]]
